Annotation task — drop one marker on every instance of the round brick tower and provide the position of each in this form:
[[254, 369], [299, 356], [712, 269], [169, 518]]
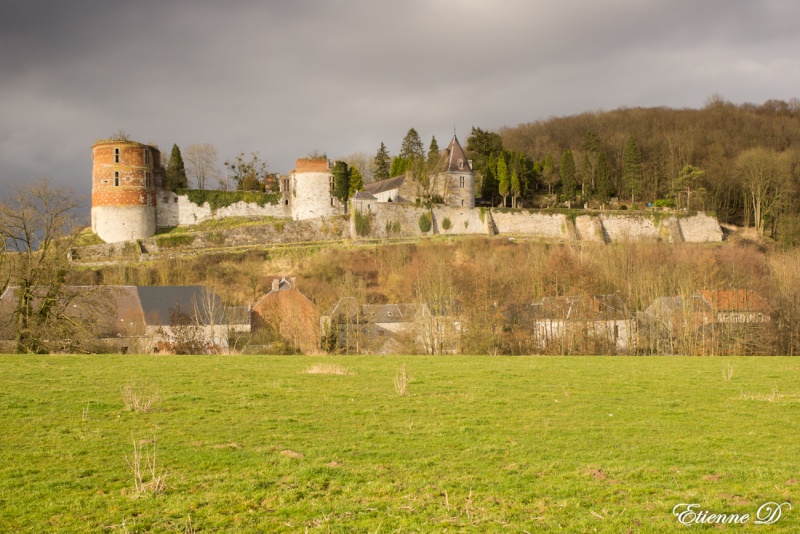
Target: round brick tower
[[124, 190]]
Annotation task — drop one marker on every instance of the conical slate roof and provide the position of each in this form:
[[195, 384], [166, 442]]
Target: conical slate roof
[[454, 159]]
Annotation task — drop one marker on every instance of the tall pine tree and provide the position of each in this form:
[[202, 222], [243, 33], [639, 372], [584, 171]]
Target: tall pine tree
[[567, 173], [602, 179], [380, 165], [411, 146], [175, 177], [433, 153]]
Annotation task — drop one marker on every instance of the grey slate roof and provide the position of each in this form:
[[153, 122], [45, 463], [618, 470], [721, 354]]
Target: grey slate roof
[[197, 301], [364, 195], [454, 159], [385, 185]]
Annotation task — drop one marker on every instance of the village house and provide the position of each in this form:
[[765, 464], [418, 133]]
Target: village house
[[143, 319], [590, 324], [727, 321], [289, 315]]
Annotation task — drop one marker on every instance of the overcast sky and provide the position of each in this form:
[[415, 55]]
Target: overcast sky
[[287, 77]]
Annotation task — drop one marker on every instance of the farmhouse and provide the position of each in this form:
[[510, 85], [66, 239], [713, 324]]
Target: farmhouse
[[731, 321], [139, 318], [558, 324], [288, 314]]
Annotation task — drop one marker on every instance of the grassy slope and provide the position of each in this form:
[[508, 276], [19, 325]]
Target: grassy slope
[[529, 443]]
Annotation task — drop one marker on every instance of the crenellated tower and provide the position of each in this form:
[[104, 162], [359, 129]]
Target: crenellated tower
[[124, 181]]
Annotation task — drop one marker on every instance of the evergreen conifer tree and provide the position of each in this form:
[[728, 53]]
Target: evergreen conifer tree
[[503, 179], [433, 153], [399, 166], [341, 181], [602, 179], [356, 181], [411, 146], [489, 183], [516, 188], [380, 165], [175, 177], [567, 173]]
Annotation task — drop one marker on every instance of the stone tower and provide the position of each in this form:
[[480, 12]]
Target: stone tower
[[124, 175], [311, 190], [456, 180]]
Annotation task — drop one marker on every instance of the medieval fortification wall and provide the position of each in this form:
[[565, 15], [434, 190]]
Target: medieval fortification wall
[[128, 206], [403, 220]]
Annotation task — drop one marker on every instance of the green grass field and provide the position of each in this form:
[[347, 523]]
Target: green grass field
[[480, 444]]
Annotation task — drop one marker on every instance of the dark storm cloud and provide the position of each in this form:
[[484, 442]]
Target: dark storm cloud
[[287, 77]]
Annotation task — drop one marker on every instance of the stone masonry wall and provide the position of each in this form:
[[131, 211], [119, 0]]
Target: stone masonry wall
[[462, 221], [547, 225], [178, 210], [700, 228]]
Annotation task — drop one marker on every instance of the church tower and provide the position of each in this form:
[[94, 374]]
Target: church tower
[[456, 180], [124, 190]]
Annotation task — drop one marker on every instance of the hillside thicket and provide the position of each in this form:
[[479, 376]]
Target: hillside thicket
[[717, 141], [483, 282]]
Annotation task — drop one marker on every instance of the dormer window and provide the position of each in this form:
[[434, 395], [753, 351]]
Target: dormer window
[[460, 164]]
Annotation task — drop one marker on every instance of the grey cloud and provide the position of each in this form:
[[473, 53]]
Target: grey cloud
[[286, 77]]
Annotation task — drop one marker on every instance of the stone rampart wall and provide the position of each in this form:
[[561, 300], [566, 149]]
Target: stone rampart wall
[[178, 210], [522, 222]]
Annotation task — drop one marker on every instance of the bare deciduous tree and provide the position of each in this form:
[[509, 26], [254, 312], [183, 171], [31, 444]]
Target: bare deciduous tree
[[38, 225], [201, 163], [362, 162], [764, 174]]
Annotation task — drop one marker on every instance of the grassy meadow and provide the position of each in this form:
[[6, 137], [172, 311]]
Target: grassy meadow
[[479, 444]]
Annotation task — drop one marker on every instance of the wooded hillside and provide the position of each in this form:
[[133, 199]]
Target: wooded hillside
[[740, 161]]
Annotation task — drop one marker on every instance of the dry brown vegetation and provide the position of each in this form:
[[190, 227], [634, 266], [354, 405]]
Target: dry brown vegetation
[[481, 281], [327, 369]]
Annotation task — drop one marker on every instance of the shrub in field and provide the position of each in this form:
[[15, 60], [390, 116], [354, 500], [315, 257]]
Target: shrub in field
[[401, 379], [142, 462], [139, 397]]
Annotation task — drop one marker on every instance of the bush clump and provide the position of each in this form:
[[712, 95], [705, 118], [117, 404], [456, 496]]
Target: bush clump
[[173, 241], [221, 199], [363, 224], [447, 224], [425, 223]]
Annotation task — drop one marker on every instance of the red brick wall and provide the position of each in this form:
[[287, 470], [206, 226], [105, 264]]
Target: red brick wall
[[312, 165], [132, 169]]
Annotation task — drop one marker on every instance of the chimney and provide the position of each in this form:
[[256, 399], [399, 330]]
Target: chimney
[[275, 284], [293, 281]]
